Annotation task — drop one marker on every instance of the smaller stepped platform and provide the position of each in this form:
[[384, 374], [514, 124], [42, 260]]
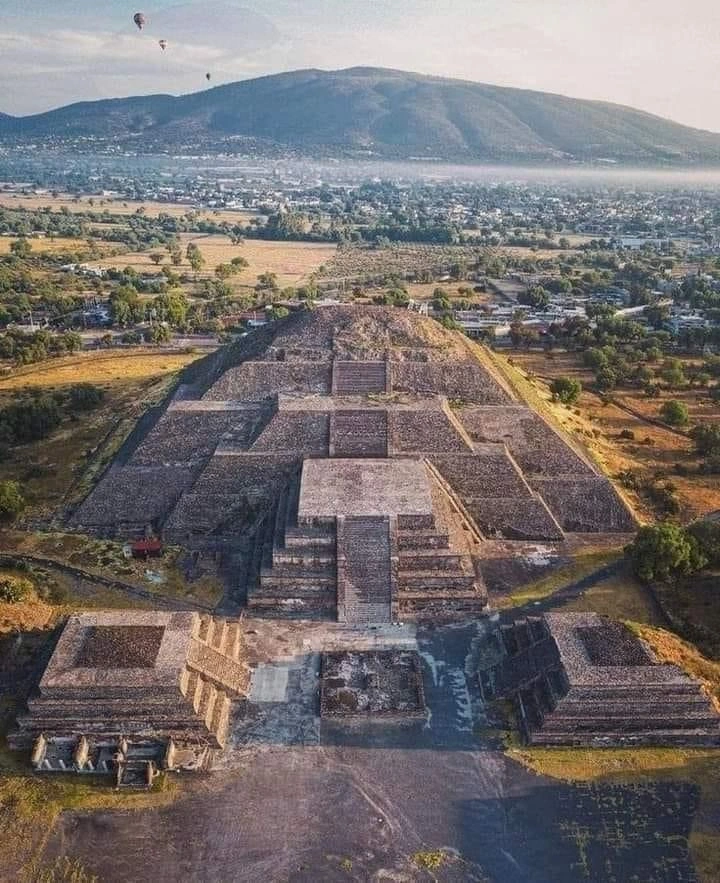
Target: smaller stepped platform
[[137, 677], [581, 679]]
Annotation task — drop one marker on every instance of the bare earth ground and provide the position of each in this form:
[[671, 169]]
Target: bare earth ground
[[302, 800]]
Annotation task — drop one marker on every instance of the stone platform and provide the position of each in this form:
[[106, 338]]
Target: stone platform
[[581, 679], [363, 488], [376, 683]]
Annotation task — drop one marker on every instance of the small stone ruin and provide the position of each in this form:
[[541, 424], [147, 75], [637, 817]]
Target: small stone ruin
[[581, 679], [360, 685], [128, 693]]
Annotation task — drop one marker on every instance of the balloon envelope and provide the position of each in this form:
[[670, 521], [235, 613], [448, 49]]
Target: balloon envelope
[[139, 19], [162, 44]]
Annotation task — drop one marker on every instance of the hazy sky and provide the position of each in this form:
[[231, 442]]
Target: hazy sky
[[657, 55]]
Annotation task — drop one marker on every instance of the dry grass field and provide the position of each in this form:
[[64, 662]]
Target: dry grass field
[[47, 245], [76, 205], [106, 369], [653, 452], [292, 262]]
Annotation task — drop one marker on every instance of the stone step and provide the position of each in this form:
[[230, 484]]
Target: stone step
[[308, 557], [431, 580], [307, 536], [445, 609], [285, 581], [660, 692], [600, 722], [571, 709], [687, 738], [430, 559], [359, 378], [367, 613], [294, 608], [309, 591], [422, 539]]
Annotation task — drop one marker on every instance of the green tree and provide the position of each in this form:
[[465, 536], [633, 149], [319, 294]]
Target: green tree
[[156, 257], [606, 379], [674, 413], [565, 390], [277, 311], [664, 551], [707, 439], [12, 503], [21, 248], [536, 297], [194, 257]]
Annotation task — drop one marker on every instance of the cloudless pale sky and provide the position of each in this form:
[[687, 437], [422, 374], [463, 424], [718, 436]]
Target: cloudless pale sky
[[657, 55]]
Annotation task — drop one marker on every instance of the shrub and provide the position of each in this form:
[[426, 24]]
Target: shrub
[[674, 413], [707, 536], [707, 439], [12, 503], [565, 390], [85, 397], [14, 589], [628, 434]]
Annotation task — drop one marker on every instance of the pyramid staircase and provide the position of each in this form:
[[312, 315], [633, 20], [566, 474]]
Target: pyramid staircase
[[431, 577], [294, 566], [364, 570], [359, 378]]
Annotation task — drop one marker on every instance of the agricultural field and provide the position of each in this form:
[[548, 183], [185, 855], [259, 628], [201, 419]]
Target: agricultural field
[[354, 262], [292, 262], [652, 451]]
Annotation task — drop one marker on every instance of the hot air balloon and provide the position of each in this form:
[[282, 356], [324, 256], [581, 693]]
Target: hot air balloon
[[208, 77], [139, 20], [162, 44]]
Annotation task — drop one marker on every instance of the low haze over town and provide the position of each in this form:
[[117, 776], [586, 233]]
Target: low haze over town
[[359, 443]]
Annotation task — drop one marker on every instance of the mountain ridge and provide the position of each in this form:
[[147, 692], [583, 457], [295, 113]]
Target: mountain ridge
[[380, 113]]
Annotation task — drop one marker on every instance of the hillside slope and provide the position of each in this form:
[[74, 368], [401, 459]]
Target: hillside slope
[[382, 113]]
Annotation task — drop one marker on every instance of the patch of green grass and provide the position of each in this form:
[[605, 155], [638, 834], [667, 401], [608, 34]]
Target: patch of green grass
[[430, 860], [543, 588]]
